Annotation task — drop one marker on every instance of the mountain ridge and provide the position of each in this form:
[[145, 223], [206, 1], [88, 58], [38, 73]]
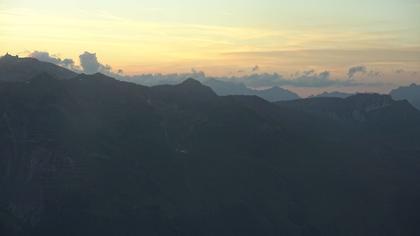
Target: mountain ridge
[[410, 93], [16, 69], [94, 155]]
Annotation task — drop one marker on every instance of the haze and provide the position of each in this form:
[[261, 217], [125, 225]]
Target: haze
[[227, 38]]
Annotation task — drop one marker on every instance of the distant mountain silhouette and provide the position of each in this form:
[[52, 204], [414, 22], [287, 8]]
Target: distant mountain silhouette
[[374, 109], [410, 93], [15, 69], [189, 89], [93, 155], [274, 94], [332, 95]]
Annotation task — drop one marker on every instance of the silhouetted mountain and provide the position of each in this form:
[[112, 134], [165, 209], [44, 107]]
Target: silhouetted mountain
[[15, 69], [96, 156], [374, 109], [332, 95], [189, 89], [410, 93], [275, 94], [223, 88]]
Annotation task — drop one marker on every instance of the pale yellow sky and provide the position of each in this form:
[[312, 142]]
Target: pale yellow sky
[[221, 38]]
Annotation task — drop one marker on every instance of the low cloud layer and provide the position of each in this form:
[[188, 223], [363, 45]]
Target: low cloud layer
[[310, 79], [364, 71], [45, 56], [306, 79], [90, 64]]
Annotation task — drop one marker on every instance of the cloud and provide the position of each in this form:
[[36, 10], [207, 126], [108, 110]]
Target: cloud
[[306, 79], [374, 74], [300, 79], [89, 63], [158, 79], [356, 70], [313, 79], [261, 80], [363, 70], [68, 62], [46, 57], [400, 71], [408, 73]]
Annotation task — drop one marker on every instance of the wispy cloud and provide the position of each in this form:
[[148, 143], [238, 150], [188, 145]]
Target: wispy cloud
[[356, 70], [159, 42]]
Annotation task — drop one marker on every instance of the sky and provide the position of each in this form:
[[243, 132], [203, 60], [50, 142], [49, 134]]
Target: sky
[[232, 38]]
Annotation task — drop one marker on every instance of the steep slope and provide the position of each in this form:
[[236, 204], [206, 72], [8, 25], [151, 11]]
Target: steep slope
[[15, 69], [96, 156]]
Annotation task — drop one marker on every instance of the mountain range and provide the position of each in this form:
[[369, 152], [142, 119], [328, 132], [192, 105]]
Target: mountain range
[[91, 155], [332, 95], [410, 93], [13, 68], [274, 94]]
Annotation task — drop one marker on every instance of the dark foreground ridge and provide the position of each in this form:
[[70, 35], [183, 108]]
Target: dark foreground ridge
[[95, 156]]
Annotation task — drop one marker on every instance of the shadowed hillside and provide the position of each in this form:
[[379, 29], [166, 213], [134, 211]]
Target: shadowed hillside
[[93, 155], [15, 69]]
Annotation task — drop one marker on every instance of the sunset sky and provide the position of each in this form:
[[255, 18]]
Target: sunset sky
[[224, 38]]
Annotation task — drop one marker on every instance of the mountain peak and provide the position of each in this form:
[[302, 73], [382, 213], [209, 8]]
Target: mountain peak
[[16, 69], [195, 88], [189, 89], [9, 57], [190, 82], [410, 93]]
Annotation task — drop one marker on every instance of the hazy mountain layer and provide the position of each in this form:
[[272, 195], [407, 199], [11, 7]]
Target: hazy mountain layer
[[410, 93]]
